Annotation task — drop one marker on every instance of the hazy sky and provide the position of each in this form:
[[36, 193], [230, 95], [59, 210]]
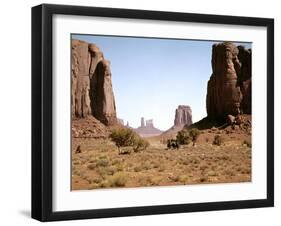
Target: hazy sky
[[151, 77]]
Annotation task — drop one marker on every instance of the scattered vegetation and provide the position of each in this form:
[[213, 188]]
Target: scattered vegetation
[[218, 140], [117, 180], [194, 134], [183, 137], [183, 179], [247, 143], [122, 137], [140, 144], [103, 162], [91, 166], [99, 165], [127, 139], [138, 169]]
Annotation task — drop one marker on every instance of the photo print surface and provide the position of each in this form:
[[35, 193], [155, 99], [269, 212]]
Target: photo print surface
[[159, 112]]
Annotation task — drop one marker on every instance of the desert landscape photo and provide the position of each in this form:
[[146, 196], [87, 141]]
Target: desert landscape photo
[[159, 112]]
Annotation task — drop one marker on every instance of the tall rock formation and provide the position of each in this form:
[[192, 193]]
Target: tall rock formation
[[229, 87], [142, 122], [149, 123], [183, 116], [92, 92]]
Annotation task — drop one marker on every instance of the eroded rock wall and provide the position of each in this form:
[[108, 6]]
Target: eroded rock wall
[[183, 116], [229, 87], [92, 93]]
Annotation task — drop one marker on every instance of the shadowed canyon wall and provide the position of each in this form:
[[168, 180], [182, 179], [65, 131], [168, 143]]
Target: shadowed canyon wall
[[229, 87], [92, 92]]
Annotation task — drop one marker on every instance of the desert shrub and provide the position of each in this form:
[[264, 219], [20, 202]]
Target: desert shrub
[[140, 144], [102, 171], [212, 173], [97, 180], [175, 178], [247, 143], [102, 162], [119, 179], [185, 161], [161, 168], [194, 134], [183, 137], [156, 165], [119, 167], [147, 165], [76, 172], [115, 162], [111, 170], [183, 179], [137, 168], [229, 172], [154, 180], [125, 137], [126, 150], [203, 167], [92, 161], [186, 136], [218, 140], [102, 157], [91, 166], [104, 184]]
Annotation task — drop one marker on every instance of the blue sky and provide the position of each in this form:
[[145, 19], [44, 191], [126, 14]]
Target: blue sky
[[151, 77]]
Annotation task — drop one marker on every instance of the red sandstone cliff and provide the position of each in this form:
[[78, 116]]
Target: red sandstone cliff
[[92, 93]]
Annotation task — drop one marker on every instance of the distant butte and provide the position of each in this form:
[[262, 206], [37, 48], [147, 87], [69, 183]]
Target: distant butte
[[183, 117], [147, 129]]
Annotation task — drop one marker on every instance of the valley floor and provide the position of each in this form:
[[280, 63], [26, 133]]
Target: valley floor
[[100, 166]]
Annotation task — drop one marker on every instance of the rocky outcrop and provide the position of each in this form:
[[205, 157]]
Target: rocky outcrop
[[142, 122], [89, 127], [183, 116], [81, 105], [229, 87], [149, 123], [92, 92]]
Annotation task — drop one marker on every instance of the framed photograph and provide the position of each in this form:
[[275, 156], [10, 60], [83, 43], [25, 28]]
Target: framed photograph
[[145, 112]]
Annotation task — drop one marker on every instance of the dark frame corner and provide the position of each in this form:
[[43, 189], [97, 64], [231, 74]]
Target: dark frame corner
[[42, 111]]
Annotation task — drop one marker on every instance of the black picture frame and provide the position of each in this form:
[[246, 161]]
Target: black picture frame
[[42, 111]]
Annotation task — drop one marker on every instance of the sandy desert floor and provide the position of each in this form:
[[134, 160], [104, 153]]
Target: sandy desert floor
[[100, 166]]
